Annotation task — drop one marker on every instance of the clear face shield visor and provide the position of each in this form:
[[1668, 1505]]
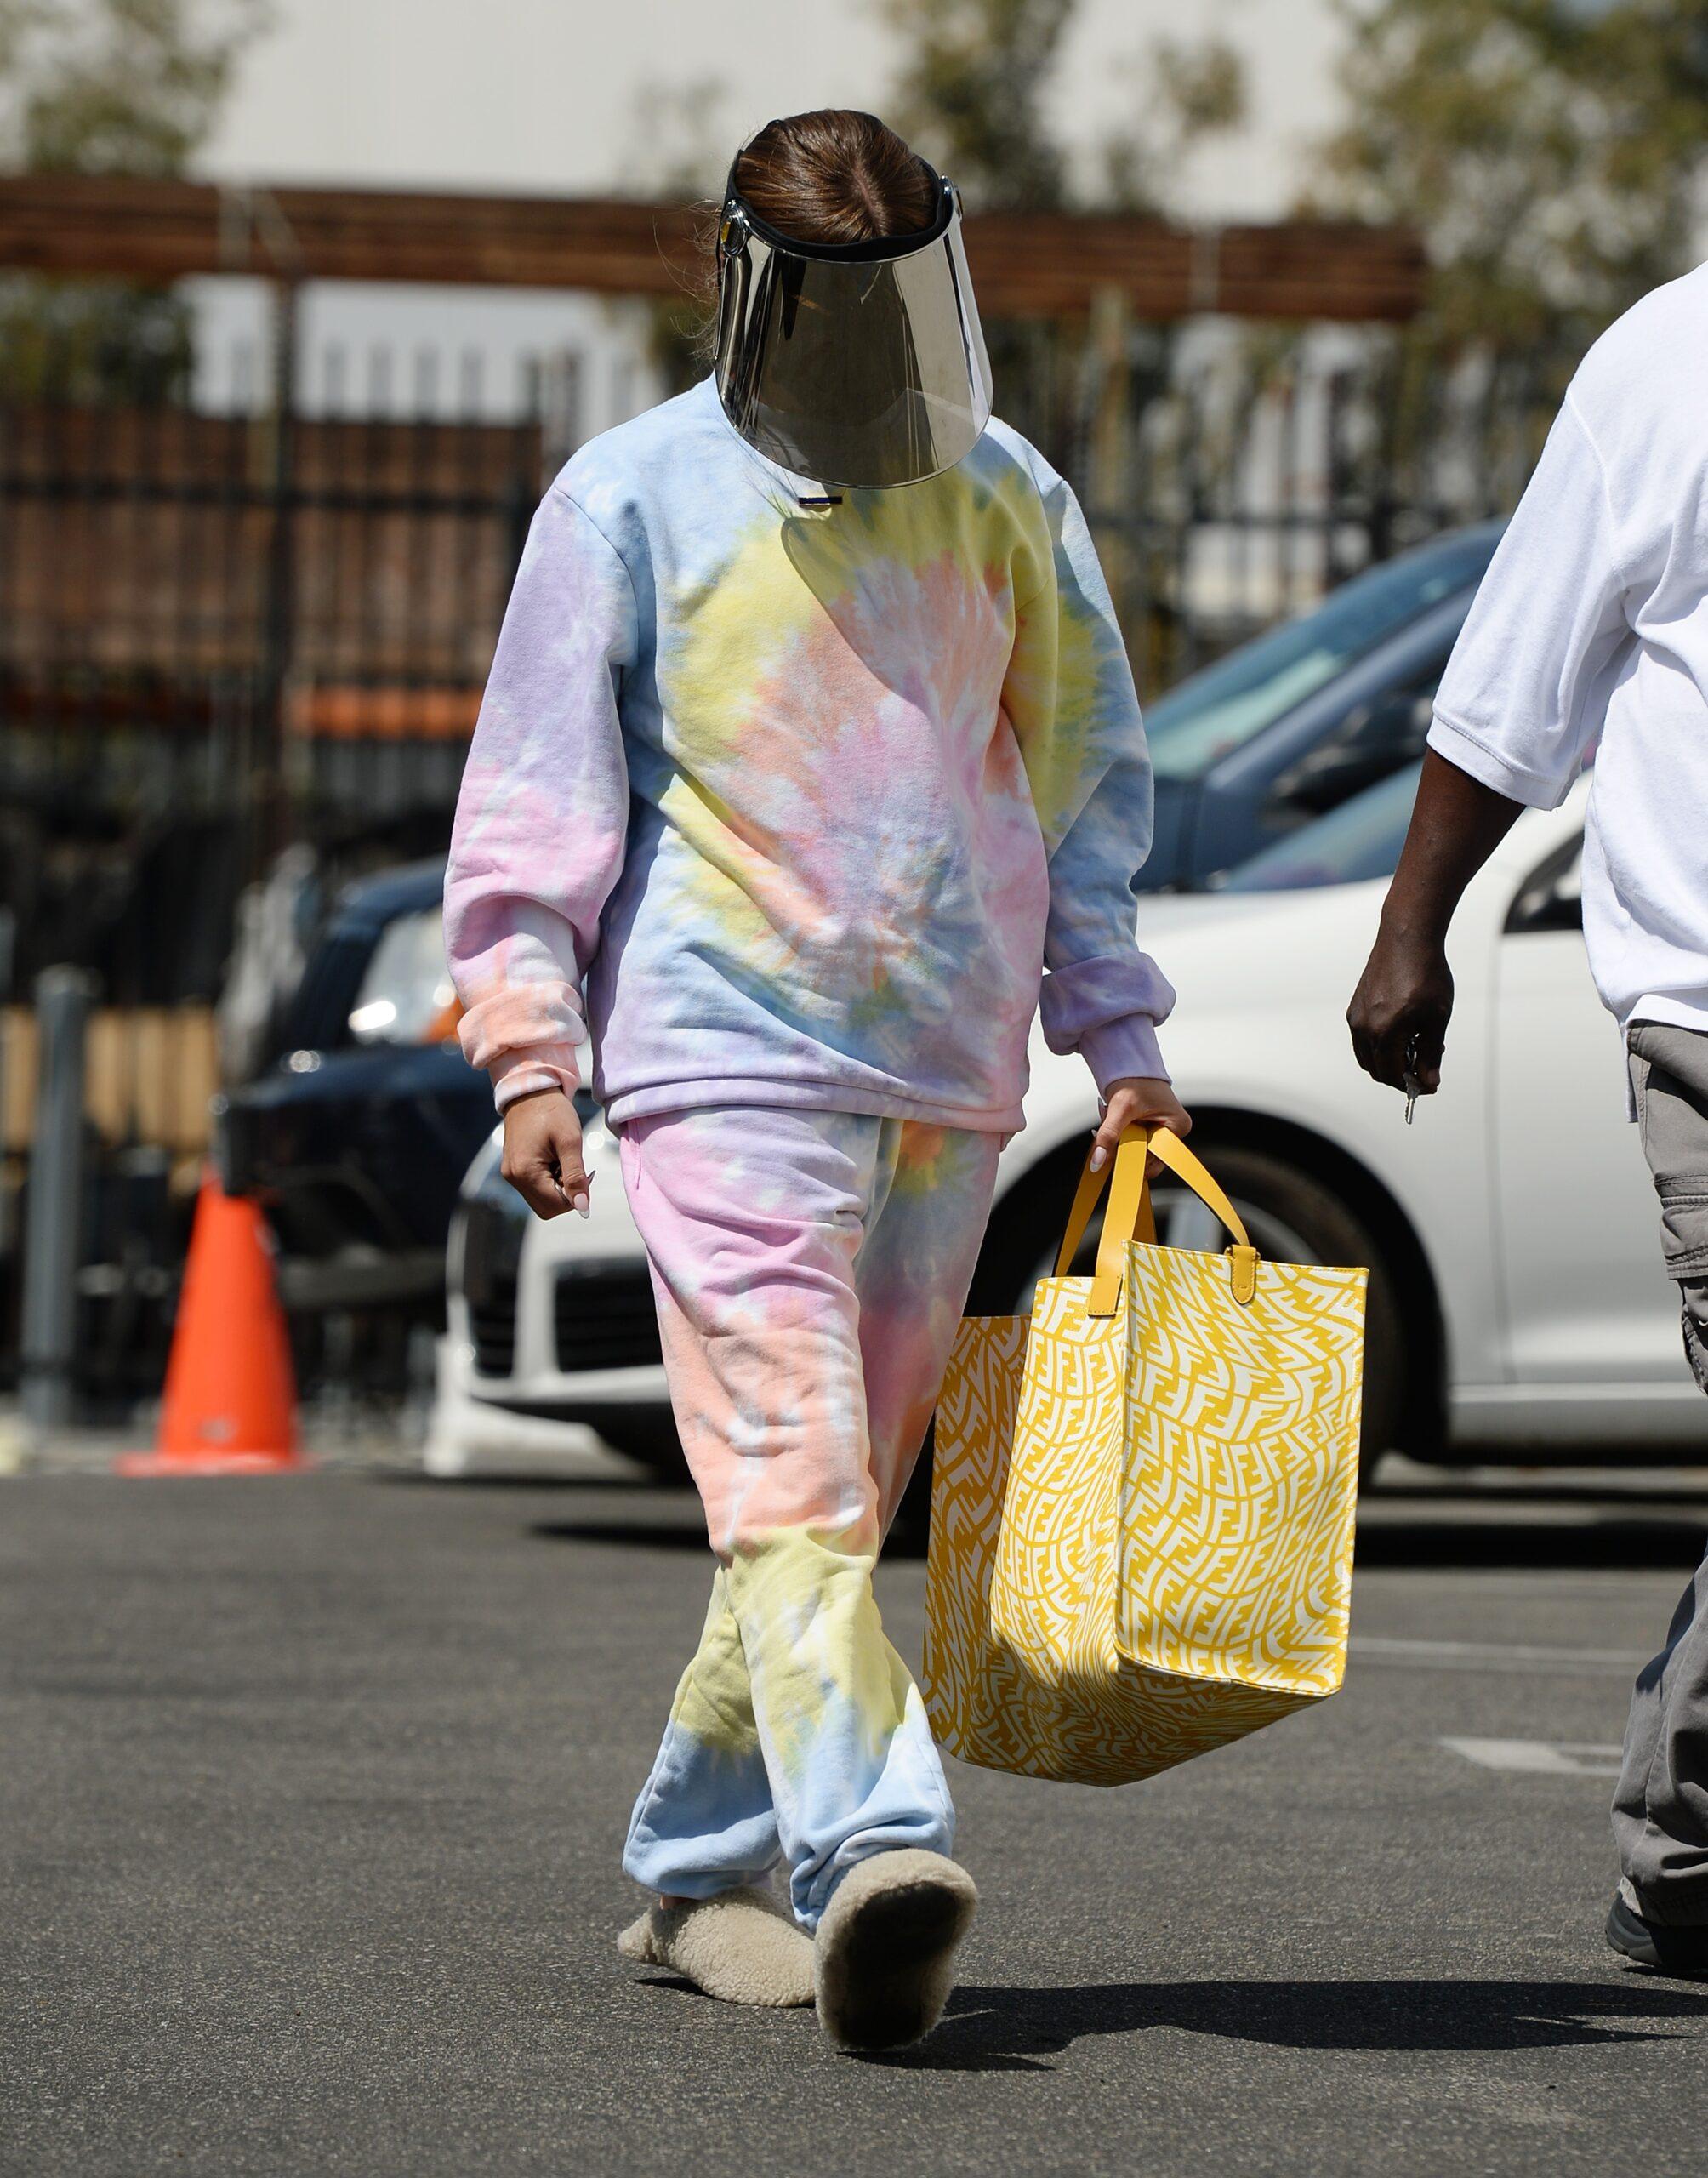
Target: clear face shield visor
[[859, 364]]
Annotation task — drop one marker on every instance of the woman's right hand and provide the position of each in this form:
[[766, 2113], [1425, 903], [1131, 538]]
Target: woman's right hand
[[542, 1157]]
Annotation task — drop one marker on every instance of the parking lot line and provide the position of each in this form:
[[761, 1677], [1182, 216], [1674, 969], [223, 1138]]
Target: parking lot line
[[1492, 1655], [1563, 1758]]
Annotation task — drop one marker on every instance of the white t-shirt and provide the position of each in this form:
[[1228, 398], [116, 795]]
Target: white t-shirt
[[1591, 630]]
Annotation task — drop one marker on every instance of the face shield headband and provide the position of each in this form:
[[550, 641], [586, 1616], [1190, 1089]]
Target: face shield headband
[[857, 364]]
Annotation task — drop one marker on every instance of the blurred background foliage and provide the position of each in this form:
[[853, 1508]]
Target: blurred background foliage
[[1553, 153], [971, 95], [107, 87], [973, 92]]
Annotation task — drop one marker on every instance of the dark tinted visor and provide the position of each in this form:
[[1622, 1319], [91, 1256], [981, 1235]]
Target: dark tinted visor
[[864, 371]]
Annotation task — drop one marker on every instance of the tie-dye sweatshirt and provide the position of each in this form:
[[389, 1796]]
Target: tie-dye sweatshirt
[[818, 803]]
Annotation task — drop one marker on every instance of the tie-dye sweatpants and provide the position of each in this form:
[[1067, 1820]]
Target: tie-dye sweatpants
[[810, 1270]]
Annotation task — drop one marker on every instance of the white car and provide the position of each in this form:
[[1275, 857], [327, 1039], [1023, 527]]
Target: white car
[[1517, 1296]]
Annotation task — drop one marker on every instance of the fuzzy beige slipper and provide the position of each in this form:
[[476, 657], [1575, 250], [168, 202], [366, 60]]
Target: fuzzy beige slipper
[[883, 1961], [742, 1947]]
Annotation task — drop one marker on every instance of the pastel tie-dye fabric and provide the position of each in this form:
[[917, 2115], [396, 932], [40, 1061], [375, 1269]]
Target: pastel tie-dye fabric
[[810, 1270], [808, 799]]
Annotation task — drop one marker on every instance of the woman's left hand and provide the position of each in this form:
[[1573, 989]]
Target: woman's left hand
[[1137, 1102]]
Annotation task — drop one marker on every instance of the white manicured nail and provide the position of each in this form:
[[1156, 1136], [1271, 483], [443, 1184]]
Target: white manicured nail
[[1100, 1157], [582, 1205]]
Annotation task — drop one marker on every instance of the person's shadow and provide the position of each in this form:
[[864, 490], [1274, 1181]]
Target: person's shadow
[[1019, 2029]]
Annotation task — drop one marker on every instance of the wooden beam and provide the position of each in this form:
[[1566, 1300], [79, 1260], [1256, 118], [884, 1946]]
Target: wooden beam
[[1024, 264]]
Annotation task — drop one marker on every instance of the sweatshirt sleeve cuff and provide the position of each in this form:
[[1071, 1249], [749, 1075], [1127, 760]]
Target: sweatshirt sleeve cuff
[[1107, 1009], [521, 1074], [1124, 1050]]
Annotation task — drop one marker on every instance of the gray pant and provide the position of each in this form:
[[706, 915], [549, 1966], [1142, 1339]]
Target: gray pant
[[1660, 1810]]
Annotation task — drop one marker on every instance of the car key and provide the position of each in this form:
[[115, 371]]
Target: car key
[[1410, 1080]]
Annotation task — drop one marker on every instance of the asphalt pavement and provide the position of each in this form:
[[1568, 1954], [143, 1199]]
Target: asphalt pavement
[[313, 1789]]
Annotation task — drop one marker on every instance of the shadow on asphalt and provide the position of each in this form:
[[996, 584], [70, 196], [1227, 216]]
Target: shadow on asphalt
[[1543, 1545], [1016, 2029], [686, 1534], [1401, 1525], [689, 1534], [498, 1479], [1614, 1542], [1559, 1489]]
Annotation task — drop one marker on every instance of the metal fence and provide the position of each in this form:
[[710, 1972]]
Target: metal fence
[[220, 631], [1231, 485]]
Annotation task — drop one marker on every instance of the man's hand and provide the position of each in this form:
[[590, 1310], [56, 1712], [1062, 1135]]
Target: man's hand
[[1405, 992], [1137, 1102], [543, 1160]]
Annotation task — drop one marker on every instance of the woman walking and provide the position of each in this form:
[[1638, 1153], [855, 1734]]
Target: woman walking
[[811, 753]]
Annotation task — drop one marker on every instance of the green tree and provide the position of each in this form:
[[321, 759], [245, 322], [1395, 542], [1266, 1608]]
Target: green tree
[[1183, 96], [1552, 151], [971, 93], [107, 87]]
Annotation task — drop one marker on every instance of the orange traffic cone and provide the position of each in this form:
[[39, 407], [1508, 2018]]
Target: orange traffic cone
[[231, 1401]]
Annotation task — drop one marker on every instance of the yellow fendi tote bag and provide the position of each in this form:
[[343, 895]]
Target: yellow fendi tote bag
[[1142, 1507]]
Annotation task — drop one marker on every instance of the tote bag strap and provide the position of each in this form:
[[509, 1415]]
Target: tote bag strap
[[1085, 1196], [1130, 1216]]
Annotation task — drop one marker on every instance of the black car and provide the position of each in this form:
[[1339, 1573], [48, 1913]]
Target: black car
[[357, 1136]]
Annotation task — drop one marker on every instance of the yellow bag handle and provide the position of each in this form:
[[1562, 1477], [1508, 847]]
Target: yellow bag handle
[[1090, 1187], [1130, 1215]]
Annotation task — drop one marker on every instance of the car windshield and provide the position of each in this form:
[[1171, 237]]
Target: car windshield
[[1222, 709], [1360, 839]]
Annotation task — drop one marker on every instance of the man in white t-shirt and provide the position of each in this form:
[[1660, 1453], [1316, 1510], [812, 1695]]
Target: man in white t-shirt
[[1590, 632]]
